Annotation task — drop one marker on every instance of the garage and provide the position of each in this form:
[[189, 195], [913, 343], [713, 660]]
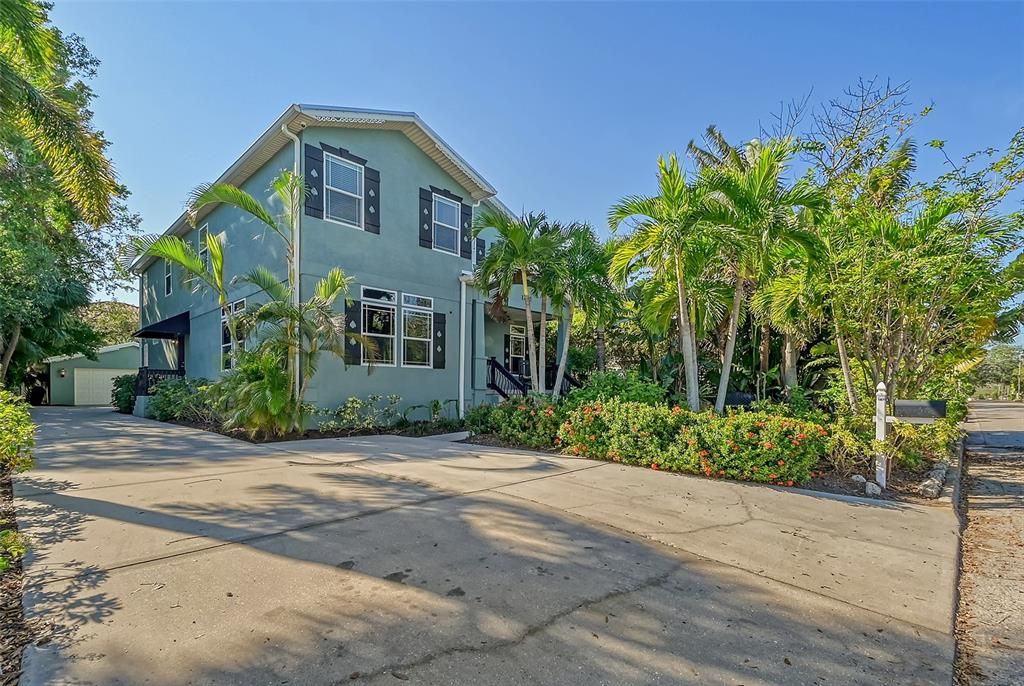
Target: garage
[[93, 386], [77, 380]]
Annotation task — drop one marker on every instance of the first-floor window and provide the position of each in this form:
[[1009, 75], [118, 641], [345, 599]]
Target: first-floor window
[[417, 328], [379, 313], [230, 310], [517, 349]]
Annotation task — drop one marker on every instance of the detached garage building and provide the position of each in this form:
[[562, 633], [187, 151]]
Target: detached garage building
[[77, 380]]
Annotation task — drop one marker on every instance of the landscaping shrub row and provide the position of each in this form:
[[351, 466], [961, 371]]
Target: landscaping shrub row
[[624, 419], [749, 446]]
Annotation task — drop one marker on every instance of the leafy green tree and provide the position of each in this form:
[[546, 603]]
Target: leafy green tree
[[34, 102], [114, 322]]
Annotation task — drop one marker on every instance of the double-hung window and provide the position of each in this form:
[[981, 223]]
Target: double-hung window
[[417, 328], [168, 278], [226, 312], [343, 188], [379, 314], [446, 224]]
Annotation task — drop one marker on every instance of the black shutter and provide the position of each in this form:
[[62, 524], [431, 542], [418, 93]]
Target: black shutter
[[481, 250], [426, 222], [439, 342], [353, 325], [314, 182], [466, 250], [508, 352], [371, 203]]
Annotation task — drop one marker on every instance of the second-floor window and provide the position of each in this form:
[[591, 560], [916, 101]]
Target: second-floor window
[[202, 248], [446, 224], [168, 278], [343, 188]]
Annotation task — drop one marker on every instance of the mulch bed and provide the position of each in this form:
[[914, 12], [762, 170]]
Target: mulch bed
[[903, 485], [15, 634]]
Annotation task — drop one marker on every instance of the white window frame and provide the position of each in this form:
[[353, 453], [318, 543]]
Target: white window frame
[[168, 278], [418, 309], [380, 305], [226, 358], [516, 331], [435, 223], [201, 248], [361, 196]]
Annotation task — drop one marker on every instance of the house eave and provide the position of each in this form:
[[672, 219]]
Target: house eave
[[298, 117]]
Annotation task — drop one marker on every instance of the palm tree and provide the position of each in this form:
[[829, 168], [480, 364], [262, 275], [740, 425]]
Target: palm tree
[[282, 326], [33, 104], [670, 232], [584, 285], [524, 248], [208, 273], [756, 203]]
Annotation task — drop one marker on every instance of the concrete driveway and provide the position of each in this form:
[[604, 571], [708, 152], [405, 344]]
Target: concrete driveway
[[165, 555]]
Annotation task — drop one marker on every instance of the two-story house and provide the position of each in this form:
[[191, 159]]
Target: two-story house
[[390, 203]]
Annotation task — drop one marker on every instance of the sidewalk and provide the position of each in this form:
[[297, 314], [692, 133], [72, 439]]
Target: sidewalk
[[991, 621]]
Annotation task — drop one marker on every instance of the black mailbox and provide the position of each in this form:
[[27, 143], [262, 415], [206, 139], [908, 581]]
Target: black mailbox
[[922, 409]]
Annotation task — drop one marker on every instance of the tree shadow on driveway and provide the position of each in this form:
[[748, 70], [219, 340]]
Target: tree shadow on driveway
[[440, 587]]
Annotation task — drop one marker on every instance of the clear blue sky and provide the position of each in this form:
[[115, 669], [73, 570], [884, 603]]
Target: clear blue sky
[[563, 107]]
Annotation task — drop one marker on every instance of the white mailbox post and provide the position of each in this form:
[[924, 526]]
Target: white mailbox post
[[881, 421]]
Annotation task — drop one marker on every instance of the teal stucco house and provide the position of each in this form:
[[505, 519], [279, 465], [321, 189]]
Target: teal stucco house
[[392, 204]]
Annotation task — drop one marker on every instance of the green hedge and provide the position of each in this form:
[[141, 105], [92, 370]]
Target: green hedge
[[750, 446], [17, 433], [122, 396]]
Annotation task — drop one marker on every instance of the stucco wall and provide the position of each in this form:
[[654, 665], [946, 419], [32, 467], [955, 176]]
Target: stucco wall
[[393, 260], [248, 244], [62, 390]]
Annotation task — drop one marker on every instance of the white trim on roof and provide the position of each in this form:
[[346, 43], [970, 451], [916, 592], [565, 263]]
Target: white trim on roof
[[298, 117], [99, 351]]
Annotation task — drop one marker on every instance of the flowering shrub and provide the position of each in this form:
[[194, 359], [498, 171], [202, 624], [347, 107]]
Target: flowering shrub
[[629, 432], [531, 421], [750, 446]]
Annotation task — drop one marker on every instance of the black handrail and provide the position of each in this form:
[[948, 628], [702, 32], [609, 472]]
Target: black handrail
[[502, 381], [148, 378]]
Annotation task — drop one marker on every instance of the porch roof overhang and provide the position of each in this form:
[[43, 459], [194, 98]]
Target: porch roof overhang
[[172, 327]]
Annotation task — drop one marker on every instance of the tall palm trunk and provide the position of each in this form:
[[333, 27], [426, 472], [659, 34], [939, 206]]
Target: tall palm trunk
[[730, 346], [844, 363], [689, 350], [599, 344], [542, 344], [564, 357], [9, 352], [531, 342], [790, 354], [766, 347]]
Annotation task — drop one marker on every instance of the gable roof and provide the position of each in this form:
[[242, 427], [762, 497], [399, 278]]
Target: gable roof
[[298, 117]]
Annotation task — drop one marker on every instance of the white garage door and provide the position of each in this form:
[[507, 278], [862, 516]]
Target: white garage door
[[93, 386]]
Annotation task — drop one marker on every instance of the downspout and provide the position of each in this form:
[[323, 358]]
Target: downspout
[[464, 278], [294, 267]]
